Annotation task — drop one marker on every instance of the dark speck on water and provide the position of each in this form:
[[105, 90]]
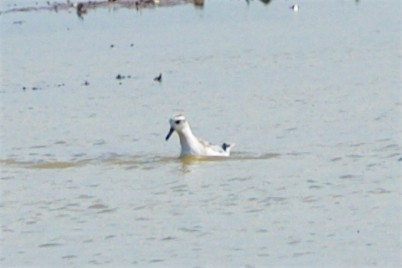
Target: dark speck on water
[[19, 22], [158, 78], [120, 77]]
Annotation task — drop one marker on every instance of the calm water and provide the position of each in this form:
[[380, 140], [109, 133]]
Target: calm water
[[312, 100]]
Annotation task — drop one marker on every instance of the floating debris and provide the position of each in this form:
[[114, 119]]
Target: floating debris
[[158, 78], [120, 77]]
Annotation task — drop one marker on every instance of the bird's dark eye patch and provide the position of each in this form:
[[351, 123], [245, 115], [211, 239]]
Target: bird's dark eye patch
[[177, 122]]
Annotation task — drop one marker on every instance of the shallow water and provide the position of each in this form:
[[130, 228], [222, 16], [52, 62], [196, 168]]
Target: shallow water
[[311, 99]]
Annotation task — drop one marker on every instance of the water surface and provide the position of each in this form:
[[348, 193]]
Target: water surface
[[311, 99]]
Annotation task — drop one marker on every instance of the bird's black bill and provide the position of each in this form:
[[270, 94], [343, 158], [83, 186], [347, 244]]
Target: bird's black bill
[[169, 134]]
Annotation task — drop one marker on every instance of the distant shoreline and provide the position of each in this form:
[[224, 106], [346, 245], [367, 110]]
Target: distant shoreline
[[83, 7]]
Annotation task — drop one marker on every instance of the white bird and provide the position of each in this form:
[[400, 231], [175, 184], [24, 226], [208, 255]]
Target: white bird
[[295, 7], [190, 144]]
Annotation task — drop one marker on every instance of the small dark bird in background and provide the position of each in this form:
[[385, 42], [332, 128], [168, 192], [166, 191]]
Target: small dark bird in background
[[158, 78], [81, 9]]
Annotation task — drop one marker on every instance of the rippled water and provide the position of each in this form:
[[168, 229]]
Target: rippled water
[[311, 99]]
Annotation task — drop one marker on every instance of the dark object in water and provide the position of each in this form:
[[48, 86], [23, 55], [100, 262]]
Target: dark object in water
[[266, 1], [199, 3], [81, 9], [225, 146], [158, 78]]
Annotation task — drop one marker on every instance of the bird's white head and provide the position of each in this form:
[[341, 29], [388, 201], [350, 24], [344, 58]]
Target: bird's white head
[[177, 123]]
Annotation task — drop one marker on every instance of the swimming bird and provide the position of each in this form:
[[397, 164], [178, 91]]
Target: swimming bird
[[295, 7], [190, 144]]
